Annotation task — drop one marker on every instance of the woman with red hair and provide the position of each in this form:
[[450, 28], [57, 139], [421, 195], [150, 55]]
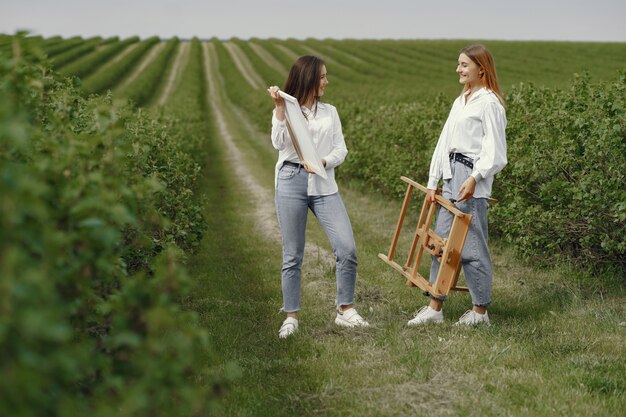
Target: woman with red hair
[[471, 150]]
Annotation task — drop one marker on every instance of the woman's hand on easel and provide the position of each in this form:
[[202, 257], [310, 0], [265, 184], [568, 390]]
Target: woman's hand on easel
[[431, 195]]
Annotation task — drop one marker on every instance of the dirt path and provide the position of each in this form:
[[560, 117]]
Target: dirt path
[[265, 214], [268, 58], [244, 65], [262, 197], [154, 51], [181, 58]]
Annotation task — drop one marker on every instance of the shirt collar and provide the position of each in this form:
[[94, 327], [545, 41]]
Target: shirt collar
[[320, 105], [307, 112], [482, 91]]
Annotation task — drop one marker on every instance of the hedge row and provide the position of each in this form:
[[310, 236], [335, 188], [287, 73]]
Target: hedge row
[[90, 320], [103, 80], [144, 87], [562, 196], [90, 62], [389, 141], [78, 49], [63, 46]]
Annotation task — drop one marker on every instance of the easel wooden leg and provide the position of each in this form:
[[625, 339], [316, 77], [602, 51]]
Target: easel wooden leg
[[396, 235], [425, 239]]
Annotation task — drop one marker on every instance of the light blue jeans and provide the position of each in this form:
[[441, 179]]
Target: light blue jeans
[[292, 206], [475, 257]]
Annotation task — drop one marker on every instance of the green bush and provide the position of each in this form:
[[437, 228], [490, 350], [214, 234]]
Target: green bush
[[563, 194], [388, 141], [94, 200]]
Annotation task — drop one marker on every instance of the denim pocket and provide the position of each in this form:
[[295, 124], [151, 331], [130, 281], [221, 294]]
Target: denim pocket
[[287, 172]]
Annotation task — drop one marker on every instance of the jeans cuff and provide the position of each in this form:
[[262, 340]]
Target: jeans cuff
[[483, 305], [282, 310]]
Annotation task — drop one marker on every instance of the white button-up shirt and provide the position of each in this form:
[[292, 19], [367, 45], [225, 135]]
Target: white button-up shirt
[[475, 128], [325, 129]]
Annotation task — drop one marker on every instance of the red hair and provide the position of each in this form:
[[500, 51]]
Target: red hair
[[481, 56]]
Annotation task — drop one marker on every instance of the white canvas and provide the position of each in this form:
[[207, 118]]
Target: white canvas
[[300, 136]]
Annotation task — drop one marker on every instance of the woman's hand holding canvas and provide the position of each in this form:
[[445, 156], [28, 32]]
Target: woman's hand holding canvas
[[299, 132]]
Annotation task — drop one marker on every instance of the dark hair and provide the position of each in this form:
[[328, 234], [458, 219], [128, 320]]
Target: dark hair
[[483, 58], [304, 78]]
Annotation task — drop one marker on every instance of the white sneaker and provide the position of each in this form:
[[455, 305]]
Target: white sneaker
[[471, 318], [289, 327], [425, 315], [350, 318]]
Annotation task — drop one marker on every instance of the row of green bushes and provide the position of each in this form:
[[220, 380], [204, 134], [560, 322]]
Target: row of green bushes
[[63, 46], [562, 196], [388, 141], [96, 214], [6, 42], [78, 50], [105, 79], [89, 63], [144, 88]]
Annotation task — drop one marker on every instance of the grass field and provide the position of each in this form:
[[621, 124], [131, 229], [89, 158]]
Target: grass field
[[558, 339]]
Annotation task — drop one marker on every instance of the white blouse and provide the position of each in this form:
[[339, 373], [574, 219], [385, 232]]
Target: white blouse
[[475, 128], [325, 128]]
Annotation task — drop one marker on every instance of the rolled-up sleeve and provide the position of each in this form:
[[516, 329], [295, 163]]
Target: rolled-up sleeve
[[492, 157]]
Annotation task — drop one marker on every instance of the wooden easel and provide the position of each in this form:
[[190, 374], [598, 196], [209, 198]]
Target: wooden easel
[[448, 250]]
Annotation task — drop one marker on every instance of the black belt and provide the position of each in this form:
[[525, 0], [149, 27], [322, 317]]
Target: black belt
[[459, 157], [293, 164]]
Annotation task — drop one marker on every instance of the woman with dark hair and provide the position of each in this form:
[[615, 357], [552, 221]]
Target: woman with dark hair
[[298, 189], [471, 150]]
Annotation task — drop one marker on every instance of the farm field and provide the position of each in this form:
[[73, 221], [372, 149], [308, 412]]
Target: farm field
[[558, 339]]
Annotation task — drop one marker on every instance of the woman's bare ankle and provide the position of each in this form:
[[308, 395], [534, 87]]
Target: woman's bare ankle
[[436, 304]]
